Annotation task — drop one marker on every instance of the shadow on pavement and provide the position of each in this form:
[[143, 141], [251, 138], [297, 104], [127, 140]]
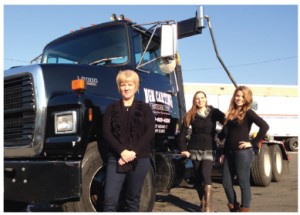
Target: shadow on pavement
[[178, 202]]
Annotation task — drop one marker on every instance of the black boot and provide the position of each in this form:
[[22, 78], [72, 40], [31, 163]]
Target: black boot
[[234, 207]]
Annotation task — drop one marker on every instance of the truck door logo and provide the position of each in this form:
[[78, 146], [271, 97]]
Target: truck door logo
[[161, 103], [153, 96]]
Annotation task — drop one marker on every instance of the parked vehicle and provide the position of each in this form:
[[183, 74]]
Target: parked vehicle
[[53, 148]]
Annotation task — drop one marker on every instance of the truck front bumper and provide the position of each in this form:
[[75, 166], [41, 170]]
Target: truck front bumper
[[39, 181]]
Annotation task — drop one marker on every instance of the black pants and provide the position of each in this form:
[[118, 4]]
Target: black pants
[[203, 171], [134, 181]]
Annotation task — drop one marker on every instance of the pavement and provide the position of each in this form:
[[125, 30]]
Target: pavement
[[277, 197]]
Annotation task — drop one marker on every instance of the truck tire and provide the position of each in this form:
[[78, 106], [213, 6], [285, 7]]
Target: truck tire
[[277, 162], [292, 144], [164, 173], [261, 170], [148, 192], [93, 180]]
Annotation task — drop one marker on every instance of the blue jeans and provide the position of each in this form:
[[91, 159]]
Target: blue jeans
[[238, 162], [134, 182]]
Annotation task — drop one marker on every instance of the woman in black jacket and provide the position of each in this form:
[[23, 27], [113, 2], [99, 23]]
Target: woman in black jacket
[[128, 130], [201, 146]]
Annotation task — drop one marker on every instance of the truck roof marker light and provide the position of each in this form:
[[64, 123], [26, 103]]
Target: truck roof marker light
[[121, 17], [113, 17], [78, 85], [127, 19]]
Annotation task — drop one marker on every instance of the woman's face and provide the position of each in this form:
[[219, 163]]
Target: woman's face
[[200, 100], [239, 98], [127, 89]]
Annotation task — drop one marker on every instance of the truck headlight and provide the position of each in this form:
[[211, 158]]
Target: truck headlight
[[65, 122]]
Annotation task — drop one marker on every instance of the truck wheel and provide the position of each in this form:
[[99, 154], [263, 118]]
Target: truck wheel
[[164, 173], [93, 179], [292, 144], [261, 170], [148, 192], [277, 162]]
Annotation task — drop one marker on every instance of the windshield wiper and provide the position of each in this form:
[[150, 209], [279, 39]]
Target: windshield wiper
[[96, 62]]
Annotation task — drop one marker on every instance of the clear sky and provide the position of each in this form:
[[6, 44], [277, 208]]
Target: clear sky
[[258, 43]]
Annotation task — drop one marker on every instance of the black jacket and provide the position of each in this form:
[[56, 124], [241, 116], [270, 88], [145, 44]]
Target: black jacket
[[203, 131], [133, 129]]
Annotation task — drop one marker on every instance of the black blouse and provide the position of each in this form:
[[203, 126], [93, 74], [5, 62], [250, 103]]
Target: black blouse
[[133, 129], [235, 132], [203, 131]]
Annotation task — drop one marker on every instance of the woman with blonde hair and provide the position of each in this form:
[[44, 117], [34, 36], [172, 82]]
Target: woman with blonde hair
[[238, 152], [201, 146], [128, 130]]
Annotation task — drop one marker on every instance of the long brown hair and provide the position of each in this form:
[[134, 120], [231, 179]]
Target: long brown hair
[[233, 108], [190, 115]]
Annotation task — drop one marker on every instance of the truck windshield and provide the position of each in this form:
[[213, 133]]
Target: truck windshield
[[100, 46]]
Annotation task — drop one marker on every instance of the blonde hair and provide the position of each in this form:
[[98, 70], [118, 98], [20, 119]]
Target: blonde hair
[[233, 108], [127, 76], [190, 115]]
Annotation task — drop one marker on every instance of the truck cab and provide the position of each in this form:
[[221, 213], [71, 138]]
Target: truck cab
[[53, 148]]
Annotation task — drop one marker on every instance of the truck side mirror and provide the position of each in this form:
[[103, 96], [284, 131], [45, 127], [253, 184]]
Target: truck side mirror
[[168, 48], [168, 44]]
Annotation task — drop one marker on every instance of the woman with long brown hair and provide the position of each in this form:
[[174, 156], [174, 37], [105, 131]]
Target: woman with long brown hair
[[238, 152], [201, 146]]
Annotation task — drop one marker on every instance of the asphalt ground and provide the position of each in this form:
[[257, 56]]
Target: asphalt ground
[[277, 197]]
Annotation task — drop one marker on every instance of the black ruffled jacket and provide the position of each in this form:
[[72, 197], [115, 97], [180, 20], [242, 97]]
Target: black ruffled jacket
[[203, 131], [133, 132]]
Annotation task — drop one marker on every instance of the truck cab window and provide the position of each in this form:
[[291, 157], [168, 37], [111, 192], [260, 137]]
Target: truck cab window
[[140, 43], [101, 46]]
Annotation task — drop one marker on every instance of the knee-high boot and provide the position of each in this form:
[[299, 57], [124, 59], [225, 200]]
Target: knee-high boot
[[208, 204]]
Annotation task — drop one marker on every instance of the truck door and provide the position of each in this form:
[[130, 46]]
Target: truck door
[[156, 87]]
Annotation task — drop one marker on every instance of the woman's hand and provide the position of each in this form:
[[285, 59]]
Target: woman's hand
[[221, 159], [244, 145], [186, 153], [128, 156], [121, 161]]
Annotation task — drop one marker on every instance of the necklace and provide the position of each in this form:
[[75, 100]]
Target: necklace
[[127, 108]]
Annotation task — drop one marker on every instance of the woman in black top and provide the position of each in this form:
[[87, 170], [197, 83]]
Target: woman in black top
[[128, 130], [239, 151], [202, 118]]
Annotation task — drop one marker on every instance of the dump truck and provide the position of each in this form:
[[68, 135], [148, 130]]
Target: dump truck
[[53, 147]]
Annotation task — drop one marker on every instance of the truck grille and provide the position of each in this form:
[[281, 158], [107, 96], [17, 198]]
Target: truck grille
[[19, 110]]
